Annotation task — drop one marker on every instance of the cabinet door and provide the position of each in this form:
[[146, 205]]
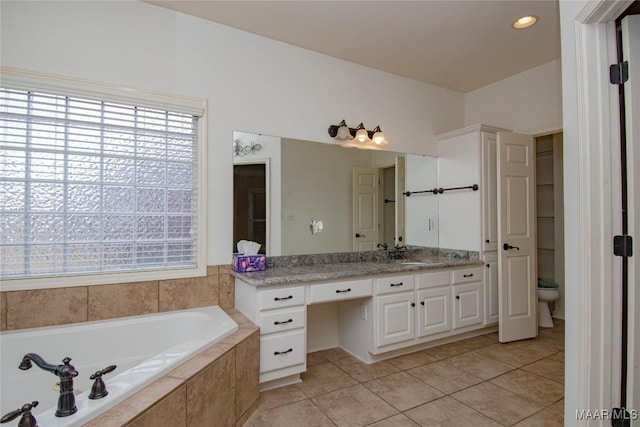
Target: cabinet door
[[434, 308], [489, 192], [491, 307], [395, 318], [467, 304]]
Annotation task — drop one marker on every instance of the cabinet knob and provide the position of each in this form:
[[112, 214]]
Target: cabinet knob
[[487, 241], [413, 304], [488, 265], [457, 296], [421, 302]]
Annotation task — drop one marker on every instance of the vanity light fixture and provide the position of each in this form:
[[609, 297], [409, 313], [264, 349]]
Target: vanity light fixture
[[342, 132], [524, 22]]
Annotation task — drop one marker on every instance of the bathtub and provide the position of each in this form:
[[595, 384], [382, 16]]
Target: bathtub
[[143, 347]]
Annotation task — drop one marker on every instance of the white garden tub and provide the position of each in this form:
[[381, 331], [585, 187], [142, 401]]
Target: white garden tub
[[143, 347]]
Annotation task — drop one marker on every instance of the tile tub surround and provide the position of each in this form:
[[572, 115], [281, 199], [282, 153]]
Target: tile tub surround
[[309, 268], [86, 303], [219, 386]]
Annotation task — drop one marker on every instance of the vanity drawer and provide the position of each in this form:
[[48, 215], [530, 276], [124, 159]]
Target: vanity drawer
[[339, 291], [279, 298], [279, 351], [387, 285], [466, 275], [282, 320], [433, 279]]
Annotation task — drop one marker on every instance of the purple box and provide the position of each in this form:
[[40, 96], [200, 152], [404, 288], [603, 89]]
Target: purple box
[[245, 263]]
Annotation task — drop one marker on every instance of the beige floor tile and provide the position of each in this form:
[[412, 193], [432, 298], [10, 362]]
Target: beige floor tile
[[479, 365], [549, 368], [444, 377], [333, 354], [364, 372], [303, 413], [411, 360], [530, 386], [399, 420], [501, 405], [323, 379], [280, 396], [537, 345], [474, 343], [448, 412], [314, 359], [446, 350], [558, 356], [403, 391], [510, 354], [552, 416], [493, 336], [354, 406]]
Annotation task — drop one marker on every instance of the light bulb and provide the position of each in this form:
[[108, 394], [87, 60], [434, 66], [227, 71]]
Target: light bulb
[[361, 134], [378, 137]]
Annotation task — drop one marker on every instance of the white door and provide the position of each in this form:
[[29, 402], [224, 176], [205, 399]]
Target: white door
[[517, 285], [631, 53], [399, 197], [365, 209]]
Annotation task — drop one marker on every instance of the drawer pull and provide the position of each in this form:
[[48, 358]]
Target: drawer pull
[[467, 275], [282, 323], [343, 291], [282, 299], [277, 353], [396, 284]]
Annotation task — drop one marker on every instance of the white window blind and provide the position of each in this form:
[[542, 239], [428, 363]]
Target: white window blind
[[90, 186]]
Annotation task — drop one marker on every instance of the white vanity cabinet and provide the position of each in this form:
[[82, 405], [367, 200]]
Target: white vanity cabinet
[[394, 310], [467, 297], [469, 156], [281, 315]]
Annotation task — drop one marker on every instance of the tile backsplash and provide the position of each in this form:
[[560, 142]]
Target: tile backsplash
[[46, 307]]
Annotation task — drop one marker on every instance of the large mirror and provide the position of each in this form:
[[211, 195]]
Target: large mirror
[[300, 197]]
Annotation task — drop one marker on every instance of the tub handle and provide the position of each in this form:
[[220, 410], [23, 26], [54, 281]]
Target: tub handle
[[283, 298], [99, 389], [276, 353], [282, 323], [27, 420]]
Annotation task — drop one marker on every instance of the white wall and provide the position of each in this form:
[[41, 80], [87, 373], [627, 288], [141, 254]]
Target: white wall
[[529, 102], [252, 83]]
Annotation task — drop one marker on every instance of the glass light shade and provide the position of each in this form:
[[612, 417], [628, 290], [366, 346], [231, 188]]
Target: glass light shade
[[379, 139], [361, 134], [343, 133]]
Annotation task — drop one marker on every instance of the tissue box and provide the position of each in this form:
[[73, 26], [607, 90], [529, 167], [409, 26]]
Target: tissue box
[[244, 263]]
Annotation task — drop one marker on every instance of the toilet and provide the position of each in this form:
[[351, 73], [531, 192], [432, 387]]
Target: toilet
[[547, 292]]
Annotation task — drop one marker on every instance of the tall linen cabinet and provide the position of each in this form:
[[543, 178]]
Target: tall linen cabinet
[[468, 219]]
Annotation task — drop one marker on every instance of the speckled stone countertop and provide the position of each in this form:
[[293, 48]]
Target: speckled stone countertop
[[311, 268]]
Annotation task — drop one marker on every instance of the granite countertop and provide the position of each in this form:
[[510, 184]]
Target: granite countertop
[[294, 272]]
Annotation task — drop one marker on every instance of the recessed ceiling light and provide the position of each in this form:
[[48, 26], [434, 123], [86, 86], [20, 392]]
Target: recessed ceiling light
[[524, 22]]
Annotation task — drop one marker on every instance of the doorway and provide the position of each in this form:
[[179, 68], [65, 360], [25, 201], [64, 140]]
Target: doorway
[[550, 214], [250, 204]]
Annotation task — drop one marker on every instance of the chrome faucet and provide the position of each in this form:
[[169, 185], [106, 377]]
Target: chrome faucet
[[66, 373]]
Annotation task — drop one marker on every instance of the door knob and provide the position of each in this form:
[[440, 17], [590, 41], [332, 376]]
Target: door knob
[[360, 235], [507, 246]]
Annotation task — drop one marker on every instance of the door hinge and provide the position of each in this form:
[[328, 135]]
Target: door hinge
[[623, 246], [619, 73]]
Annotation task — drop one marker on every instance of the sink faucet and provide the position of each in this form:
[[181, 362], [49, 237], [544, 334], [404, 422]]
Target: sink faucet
[[66, 373], [384, 246]]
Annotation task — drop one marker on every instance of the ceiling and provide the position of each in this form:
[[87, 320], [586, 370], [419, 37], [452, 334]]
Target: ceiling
[[455, 44]]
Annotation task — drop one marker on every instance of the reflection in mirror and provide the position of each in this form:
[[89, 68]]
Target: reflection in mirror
[[300, 197]]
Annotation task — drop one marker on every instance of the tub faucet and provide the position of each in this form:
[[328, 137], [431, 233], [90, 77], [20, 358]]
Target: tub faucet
[[66, 373]]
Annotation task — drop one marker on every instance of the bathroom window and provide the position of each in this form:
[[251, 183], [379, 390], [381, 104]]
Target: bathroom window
[[92, 185]]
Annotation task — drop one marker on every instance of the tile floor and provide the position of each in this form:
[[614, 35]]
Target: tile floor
[[474, 382]]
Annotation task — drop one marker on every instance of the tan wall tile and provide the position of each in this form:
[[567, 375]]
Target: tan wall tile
[[227, 291], [3, 311], [247, 373], [122, 299], [212, 270], [45, 307], [211, 394], [224, 269], [180, 294], [170, 411]]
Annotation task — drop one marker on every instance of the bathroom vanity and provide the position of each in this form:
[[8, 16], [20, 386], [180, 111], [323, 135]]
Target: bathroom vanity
[[383, 308]]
